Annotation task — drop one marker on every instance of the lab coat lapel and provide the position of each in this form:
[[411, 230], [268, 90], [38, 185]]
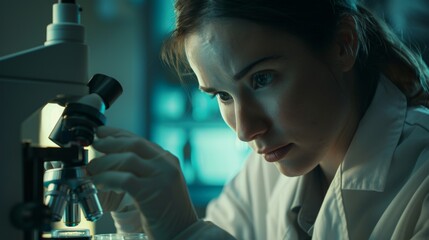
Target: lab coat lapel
[[365, 166], [331, 221], [280, 219], [366, 163]]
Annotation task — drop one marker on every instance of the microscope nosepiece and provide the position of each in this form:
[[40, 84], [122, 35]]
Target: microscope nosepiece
[[69, 188]]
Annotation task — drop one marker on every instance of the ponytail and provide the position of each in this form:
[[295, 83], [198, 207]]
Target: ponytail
[[381, 51]]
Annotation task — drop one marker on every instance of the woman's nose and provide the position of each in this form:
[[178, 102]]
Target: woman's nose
[[250, 121]]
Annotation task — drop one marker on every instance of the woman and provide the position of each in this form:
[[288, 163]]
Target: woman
[[333, 105]]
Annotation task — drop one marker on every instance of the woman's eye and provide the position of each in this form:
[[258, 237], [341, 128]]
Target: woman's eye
[[261, 79], [223, 96]]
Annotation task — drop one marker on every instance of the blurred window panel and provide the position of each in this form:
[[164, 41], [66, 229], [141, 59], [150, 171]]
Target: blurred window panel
[[187, 123], [217, 155], [170, 103]]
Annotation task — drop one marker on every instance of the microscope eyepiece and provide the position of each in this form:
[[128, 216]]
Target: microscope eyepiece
[[108, 88]]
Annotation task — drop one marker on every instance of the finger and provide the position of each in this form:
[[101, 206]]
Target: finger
[[117, 181], [121, 162], [110, 200], [140, 146], [105, 131]]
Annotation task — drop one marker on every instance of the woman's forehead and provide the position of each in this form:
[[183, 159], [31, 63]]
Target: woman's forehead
[[210, 47], [205, 57], [234, 43]]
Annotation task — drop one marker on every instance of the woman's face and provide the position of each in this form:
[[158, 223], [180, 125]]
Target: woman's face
[[289, 103]]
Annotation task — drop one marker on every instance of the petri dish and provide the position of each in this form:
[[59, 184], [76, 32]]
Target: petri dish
[[120, 236]]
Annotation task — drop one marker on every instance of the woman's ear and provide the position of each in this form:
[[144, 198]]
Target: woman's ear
[[346, 40]]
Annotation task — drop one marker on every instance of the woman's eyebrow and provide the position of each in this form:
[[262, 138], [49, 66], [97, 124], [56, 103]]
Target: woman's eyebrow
[[249, 67], [207, 89], [243, 72]]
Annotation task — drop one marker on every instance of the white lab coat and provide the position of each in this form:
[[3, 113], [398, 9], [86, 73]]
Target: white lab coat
[[380, 191]]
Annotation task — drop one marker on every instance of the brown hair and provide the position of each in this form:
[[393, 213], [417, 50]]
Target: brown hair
[[313, 21]]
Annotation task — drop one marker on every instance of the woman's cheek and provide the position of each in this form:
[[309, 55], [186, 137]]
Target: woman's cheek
[[228, 115]]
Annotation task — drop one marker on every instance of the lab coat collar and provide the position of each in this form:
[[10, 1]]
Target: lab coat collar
[[307, 202], [367, 161]]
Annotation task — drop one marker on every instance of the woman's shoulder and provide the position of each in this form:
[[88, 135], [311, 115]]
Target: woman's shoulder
[[418, 116], [414, 141]]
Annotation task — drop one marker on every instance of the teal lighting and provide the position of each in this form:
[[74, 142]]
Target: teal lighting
[[169, 103], [217, 155]]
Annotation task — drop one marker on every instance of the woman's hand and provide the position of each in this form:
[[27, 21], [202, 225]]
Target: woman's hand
[[152, 177]]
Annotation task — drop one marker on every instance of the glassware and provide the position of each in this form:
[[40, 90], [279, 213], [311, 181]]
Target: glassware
[[120, 236], [68, 234]]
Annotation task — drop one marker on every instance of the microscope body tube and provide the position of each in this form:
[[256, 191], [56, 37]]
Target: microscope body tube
[[65, 26], [28, 81]]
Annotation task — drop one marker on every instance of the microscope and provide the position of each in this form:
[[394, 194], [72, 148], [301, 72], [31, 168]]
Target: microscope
[[32, 197]]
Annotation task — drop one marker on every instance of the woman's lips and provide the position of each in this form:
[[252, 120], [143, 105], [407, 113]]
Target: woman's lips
[[277, 154]]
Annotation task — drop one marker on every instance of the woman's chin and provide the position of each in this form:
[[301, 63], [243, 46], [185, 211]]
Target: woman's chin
[[292, 171]]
